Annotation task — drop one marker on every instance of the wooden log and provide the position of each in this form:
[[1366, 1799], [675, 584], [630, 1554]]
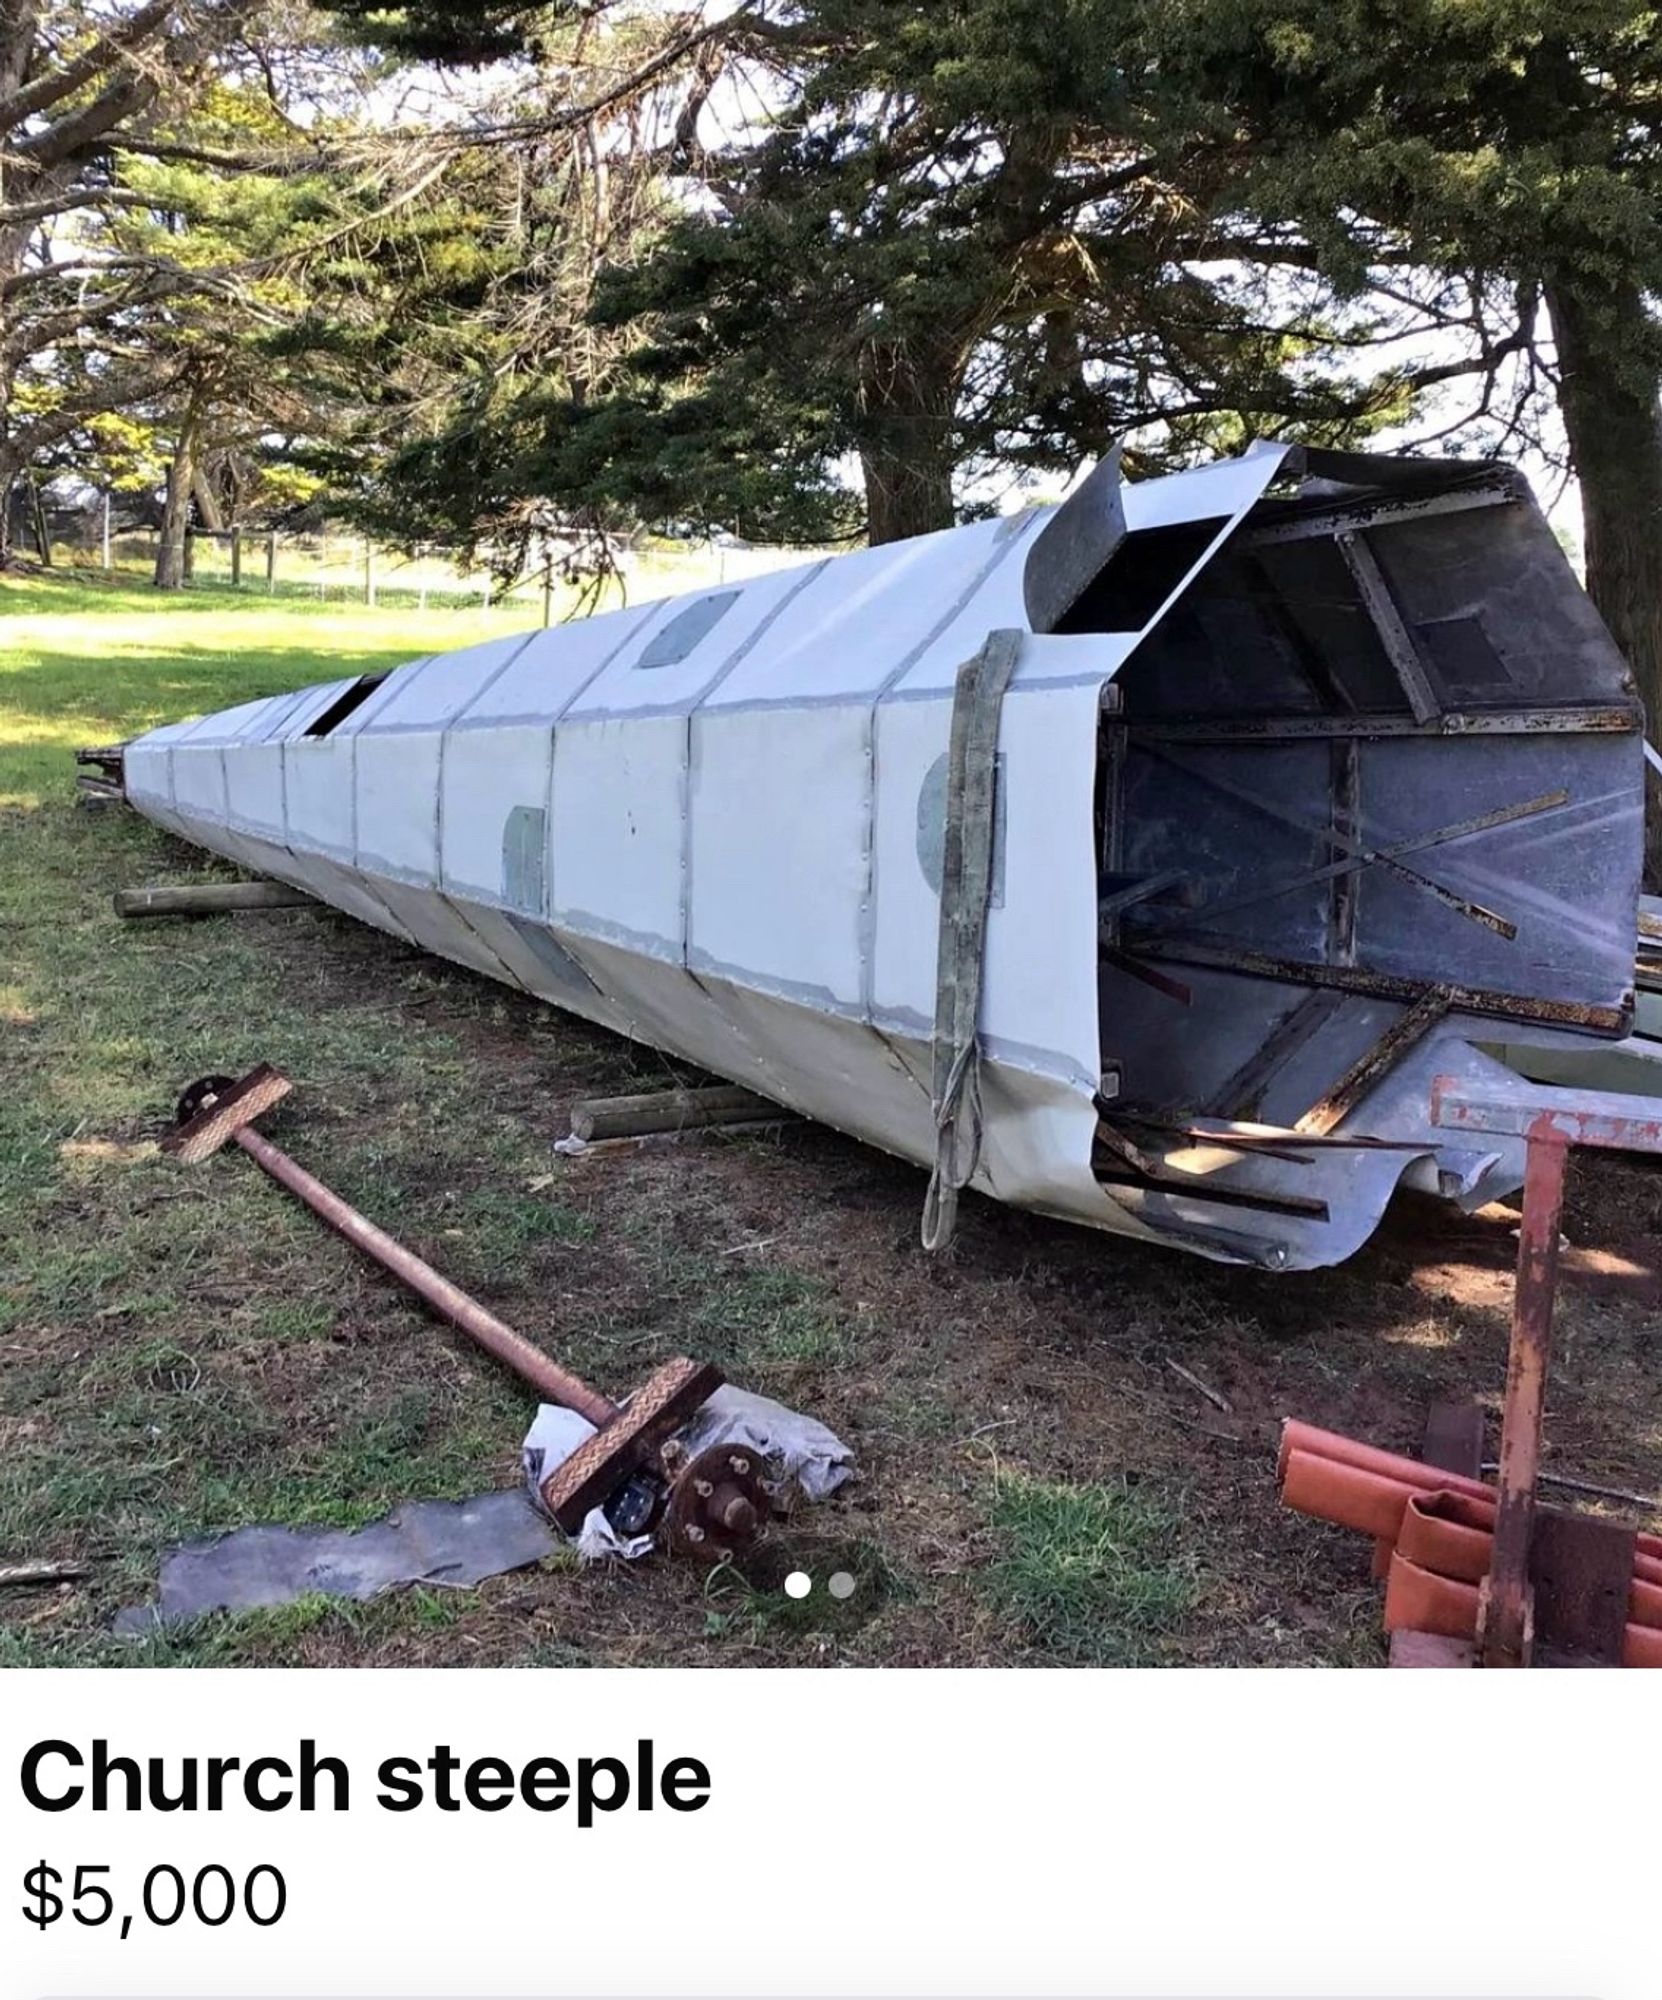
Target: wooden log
[[27, 1573], [207, 899], [669, 1111]]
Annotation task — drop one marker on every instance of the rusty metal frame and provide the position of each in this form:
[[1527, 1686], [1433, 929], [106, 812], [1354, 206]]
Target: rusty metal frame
[[1130, 1165], [1374, 1063], [1402, 649], [1604, 719], [1388, 986], [1551, 1122], [1321, 516], [1240, 1095]]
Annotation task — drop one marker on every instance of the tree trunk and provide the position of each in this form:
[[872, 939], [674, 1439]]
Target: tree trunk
[[11, 496], [37, 523], [207, 501], [906, 452], [1609, 400], [181, 481]]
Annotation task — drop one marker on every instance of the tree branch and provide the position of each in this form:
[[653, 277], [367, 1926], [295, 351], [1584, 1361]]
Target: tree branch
[[13, 213], [55, 85], [78, 130]]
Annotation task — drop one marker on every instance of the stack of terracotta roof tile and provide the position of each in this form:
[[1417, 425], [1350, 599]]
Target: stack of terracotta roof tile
[[1434, 1533]]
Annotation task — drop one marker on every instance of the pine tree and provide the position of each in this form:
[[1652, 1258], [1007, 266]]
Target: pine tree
[[959, 250]]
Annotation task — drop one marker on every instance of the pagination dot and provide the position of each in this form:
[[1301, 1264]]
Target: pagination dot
[[798, 1583], [841, 1584]]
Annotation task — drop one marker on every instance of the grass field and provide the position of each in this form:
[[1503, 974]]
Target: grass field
[[183, 1350]]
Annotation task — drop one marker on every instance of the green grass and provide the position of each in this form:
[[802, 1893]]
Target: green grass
[[769, 1315], [88, 661], [1096, 1575], [159, 1326], [268, 1638], [184, 1351]]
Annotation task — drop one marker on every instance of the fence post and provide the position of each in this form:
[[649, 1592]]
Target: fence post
[[369, 574], [236, 559], [548, 593], [107, 562], [271, 560]]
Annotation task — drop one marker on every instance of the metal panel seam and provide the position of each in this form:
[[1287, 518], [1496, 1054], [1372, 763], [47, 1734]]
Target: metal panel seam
[[776, 1085], [746, 646], [739, 652], [488, 683], [509, 976], [637, 627]]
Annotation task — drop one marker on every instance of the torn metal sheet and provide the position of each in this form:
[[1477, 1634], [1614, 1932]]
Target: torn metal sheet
[[1316, 776], [449, 1543]]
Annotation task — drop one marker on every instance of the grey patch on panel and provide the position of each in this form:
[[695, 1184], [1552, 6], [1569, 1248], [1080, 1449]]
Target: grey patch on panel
[[686, 629], [524, 864], [932, 826], [551, 955]]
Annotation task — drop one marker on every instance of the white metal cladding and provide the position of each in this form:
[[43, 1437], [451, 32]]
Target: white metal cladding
[[715, 823], [699, 822]]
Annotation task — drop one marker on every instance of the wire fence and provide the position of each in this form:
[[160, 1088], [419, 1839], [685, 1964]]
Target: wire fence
[[325, 568], [328, 567]]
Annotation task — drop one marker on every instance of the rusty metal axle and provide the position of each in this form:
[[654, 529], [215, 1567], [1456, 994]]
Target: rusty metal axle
[[628, 1437]]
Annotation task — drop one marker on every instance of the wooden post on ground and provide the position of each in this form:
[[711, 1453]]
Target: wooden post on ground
[[271, 560], [108, 564], [670, 1111], [37, 1573], [236, 559], [547, 592], [207, 899], [369, 574]]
